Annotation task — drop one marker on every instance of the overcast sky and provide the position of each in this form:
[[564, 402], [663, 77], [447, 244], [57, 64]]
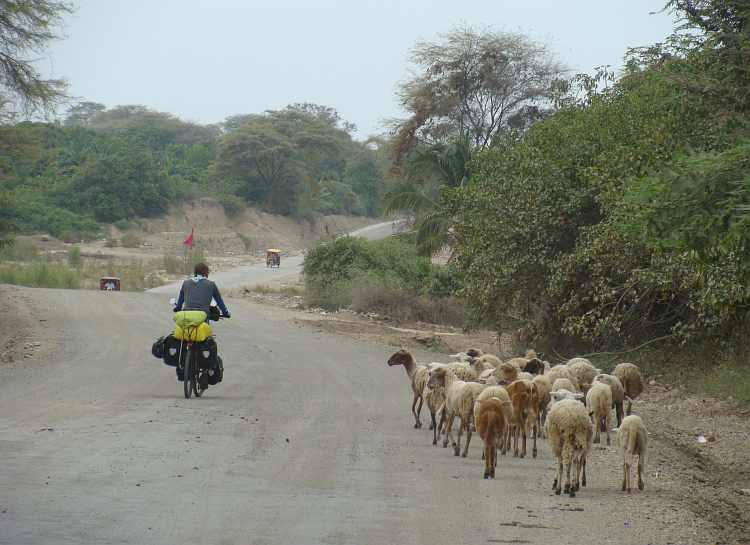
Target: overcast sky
[[205, 61]]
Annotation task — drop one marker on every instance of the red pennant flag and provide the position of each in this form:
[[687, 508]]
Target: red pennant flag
[[190, 240]]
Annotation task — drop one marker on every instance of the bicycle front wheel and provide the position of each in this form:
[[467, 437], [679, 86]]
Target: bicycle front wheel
[[189, 374]]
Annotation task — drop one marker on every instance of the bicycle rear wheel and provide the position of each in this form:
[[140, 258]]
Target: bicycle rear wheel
[[188, 374]]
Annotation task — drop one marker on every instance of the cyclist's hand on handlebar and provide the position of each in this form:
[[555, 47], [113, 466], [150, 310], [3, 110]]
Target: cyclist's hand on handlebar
[[176, 309]]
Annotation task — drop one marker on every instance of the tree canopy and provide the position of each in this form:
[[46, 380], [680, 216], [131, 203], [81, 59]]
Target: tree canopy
[[26, 27], [622, 219], [481, 82]]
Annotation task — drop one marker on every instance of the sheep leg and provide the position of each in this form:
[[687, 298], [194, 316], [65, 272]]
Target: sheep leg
[[533, 447], [417, 397], [558, 480], [567, 456], [624, 476], [434, 428], [448, 431], [626, 466], [583, 470], [618, 412], [640, 471], [608, 422], [569, 488], [523, 436], [468, 440], [463, 424], [597, 421]]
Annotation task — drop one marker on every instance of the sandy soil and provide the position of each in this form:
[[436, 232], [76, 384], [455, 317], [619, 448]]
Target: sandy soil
[[703, 488]]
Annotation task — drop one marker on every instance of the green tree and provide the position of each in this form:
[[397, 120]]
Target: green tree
[[122, 186], [83, 113], [268, 156], [478, 81], [433, 172], [26, 27]]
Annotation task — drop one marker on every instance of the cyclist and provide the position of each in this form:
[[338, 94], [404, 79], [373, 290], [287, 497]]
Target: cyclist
[[196, 293]]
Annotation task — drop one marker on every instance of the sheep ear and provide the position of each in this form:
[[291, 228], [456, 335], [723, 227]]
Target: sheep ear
[[578, 396]]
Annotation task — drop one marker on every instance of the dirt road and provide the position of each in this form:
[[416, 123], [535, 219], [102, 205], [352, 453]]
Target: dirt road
[[308, 440]]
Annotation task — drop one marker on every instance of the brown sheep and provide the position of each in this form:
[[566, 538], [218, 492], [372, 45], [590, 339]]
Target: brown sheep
[[521, 394], [491, 426]]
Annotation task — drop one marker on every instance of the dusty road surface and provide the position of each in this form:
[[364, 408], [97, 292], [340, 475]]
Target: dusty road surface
[[309, 440]]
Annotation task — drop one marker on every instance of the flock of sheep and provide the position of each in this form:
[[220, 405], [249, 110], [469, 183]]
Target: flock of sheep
[[507, 402]]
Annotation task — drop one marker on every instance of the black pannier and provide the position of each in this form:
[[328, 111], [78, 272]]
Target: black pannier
[[207, 354], [172, 351], [158, 348]]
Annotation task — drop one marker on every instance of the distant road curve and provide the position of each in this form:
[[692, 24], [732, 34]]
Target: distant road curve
[[291, 266]]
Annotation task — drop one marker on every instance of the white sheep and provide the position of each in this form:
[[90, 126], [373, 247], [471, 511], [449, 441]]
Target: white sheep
[[569, 432], [584, 373], [544, 388], [479, 365], [563, 371], [631, 380], [563, 384], [632, 438], [459, 401], [560, 394], [418, 375], [599, 406], [491, 426], [434, 400], [576, 360], [618, 392], [506, 372], [493, 360]]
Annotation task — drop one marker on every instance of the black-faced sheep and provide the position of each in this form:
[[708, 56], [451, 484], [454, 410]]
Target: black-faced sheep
[[631, 380], [491, 426], [632, 438], [569, 432]]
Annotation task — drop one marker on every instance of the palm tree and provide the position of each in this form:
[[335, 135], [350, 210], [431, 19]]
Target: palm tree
[[431, 170]]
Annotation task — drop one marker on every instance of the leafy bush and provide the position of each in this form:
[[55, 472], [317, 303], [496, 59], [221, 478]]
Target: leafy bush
[[173, 263], [19, 251], [406, 306], [233, 206], [332, 269], [246, 241], [75, 259], [41, 275], [130, 240], [124, 225], [34, 213]]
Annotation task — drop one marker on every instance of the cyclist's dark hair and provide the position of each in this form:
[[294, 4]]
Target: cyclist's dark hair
[[201, 269]]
